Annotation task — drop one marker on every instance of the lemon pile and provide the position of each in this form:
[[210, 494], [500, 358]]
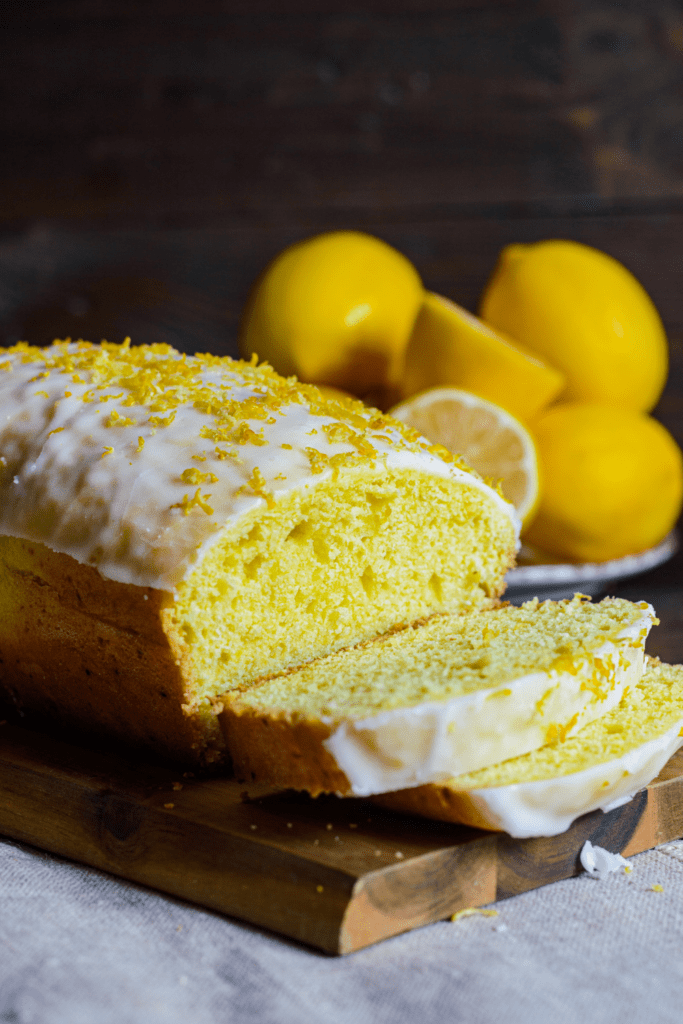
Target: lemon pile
[[548, 391]]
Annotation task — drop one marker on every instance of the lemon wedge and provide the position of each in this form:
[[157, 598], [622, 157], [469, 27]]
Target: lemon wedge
[[450, 346], [490, 440]]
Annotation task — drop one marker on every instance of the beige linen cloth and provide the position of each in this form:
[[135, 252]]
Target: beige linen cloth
[[81, 947]]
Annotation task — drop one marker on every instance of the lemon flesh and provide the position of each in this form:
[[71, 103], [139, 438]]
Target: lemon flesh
[[490, 440], [334, 309], [587, 315], [612, 482], [450, 346]]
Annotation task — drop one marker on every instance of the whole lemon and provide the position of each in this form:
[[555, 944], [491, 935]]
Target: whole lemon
[[587, 315], [335, 309], [612, 482]]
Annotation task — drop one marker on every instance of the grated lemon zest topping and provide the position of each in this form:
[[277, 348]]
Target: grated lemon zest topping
[[195, 476], [257, 484], [198, 500]]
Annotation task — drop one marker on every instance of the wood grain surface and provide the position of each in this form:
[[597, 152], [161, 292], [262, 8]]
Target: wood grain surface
[[335, 874], [163, 113]]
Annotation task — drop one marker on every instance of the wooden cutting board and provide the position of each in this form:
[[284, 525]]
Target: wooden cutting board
[[336, 874]]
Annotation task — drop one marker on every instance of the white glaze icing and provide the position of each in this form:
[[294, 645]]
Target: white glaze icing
[[434, 741], [121, 510], [547, 807]]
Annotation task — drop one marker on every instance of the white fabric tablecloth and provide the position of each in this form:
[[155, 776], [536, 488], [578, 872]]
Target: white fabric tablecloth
[[81, 947]]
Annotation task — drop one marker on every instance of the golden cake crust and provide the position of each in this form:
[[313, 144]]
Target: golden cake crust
[[92, 653], [438, 802]]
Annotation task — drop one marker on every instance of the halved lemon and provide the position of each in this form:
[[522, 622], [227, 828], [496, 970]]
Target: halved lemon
[[490, 440]]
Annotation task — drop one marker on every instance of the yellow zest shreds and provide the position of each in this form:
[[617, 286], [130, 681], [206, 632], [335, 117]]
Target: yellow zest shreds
[[6, 366], [558, 733], [345, 460], [221, 454], [506, 692], [257, 484], [199, 458], [195, 476], [541, 702], [242, 434], [551, 733], [198, 500], [43, 394], [472, 912], [115, 420], [565, 663], [107, 451], [141, 445], [57, 430], [287, 446], [639, 641], [657, 887], [342, 433], [161, 421], [319, 462]]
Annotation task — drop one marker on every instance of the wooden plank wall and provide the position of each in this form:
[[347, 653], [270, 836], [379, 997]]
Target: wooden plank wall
[[172, 113], [154, 156]]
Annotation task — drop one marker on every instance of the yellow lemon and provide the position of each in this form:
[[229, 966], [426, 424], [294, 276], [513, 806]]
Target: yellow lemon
[[584, 313], [490, 440], [450, 346], [612, 482], [334, 309], [336, 393]]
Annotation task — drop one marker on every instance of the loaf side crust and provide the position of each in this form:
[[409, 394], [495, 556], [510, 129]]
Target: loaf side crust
[[90, 653]]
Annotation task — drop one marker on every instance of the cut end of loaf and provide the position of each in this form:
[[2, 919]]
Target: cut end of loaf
[[332, 566]]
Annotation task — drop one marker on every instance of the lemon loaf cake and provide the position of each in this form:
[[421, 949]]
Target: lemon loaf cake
[[466, 691], [173, 527], [602, 766]]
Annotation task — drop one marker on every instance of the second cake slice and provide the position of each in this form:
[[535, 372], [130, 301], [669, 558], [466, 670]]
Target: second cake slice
[[452, 696], [603, 766]]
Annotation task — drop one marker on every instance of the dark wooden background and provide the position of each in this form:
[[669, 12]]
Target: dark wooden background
[[154, 156]]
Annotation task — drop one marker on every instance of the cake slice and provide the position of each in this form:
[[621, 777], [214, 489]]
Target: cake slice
[[602, 766], [173, 527], [448, 697]]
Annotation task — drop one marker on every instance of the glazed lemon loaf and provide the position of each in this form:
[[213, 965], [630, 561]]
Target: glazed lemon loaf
[[451, 696], [602, 766], [173, 527]]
